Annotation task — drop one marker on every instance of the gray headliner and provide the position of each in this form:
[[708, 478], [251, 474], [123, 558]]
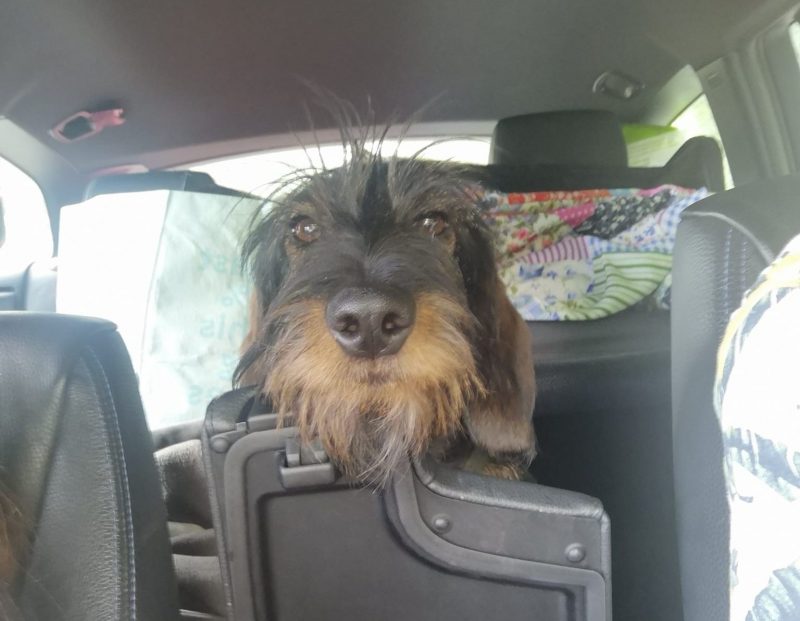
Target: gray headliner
[[209, 71]]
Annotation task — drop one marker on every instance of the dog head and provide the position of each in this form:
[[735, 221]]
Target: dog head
[[377, 313]]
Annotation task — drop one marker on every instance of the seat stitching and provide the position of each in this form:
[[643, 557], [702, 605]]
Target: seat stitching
[[119, 457], [726, 278], [743, 267], [110, 457]]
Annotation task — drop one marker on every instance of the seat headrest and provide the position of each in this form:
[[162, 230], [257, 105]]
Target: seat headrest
[[574, 137]]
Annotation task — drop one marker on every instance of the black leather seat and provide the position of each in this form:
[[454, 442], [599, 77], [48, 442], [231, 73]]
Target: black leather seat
[[76, 456], [723, 243]]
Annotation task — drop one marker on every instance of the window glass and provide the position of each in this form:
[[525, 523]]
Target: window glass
[[650, 145], [260, 172], [170, 280], [654, 145], [26, 226]]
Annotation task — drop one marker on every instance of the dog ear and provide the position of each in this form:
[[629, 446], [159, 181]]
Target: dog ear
[[264, 258], [499, 421], [252, 347]]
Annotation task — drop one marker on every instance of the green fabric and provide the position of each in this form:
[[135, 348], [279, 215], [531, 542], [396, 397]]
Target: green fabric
[[635, 132], [621, 280]]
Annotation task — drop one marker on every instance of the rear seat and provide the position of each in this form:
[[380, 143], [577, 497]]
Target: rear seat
[[603, 406]]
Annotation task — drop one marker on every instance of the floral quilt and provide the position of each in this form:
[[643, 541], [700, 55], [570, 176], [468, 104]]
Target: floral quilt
[[586, 254]]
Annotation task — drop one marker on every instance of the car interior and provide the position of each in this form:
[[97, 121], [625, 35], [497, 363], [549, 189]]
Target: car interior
[[138, 140]]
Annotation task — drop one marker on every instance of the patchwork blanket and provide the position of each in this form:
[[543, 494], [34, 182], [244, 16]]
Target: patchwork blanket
[[586, 254]]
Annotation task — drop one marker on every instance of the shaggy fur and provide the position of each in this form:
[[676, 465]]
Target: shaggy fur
[[465, 370]]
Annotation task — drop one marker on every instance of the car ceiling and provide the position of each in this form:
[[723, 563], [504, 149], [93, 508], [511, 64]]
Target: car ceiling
[[193, 72]]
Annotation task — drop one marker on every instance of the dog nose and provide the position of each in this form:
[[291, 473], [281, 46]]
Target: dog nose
[[370, 323]]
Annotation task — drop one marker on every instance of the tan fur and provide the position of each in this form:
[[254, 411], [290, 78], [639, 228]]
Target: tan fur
[[509, 472], [369, 413]]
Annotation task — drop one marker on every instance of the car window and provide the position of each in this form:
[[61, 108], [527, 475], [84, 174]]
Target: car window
[[25, 234], [170, 280], [654, 145], [259, 173]]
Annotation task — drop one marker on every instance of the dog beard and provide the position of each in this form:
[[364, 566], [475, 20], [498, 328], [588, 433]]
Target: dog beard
[[370, 413]]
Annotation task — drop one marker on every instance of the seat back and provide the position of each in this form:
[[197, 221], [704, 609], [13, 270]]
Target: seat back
[[603, 415], [437, 544], [76, 457], [723, 243]]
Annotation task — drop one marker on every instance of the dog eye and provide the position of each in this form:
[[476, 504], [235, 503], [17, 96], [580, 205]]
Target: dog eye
[[434, 223], [305, 229]]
